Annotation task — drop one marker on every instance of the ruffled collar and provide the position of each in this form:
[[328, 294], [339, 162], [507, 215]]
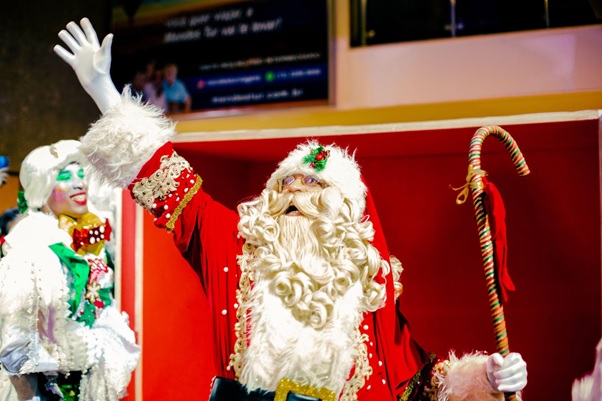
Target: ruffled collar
[[84, 235], [36, 229]]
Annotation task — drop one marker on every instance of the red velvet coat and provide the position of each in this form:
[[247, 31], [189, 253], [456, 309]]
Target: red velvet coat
[[206, 234]]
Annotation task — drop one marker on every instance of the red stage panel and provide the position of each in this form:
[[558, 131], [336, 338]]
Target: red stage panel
[[553, 218]]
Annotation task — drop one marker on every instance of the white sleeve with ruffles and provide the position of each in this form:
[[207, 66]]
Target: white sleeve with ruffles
[[37, 335]]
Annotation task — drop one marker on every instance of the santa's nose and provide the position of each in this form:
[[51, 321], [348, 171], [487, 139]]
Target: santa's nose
[[301, 183], [295, 186]]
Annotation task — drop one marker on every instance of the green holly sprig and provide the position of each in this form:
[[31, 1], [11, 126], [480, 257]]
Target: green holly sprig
[[317, 158]]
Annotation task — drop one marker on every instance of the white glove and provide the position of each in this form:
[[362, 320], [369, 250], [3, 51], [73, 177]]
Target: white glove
[[507, 375], [90, 61]]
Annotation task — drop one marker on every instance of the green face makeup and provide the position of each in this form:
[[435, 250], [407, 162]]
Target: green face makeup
[[67, 175]]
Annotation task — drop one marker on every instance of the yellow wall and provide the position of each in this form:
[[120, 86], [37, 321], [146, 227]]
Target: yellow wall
[[330, 116], [8, 193]]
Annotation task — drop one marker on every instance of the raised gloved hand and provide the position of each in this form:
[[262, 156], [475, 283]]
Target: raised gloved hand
[[507, 375], [90, 61]]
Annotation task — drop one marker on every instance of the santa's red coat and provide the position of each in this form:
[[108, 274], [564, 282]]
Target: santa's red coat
[[206, 234]]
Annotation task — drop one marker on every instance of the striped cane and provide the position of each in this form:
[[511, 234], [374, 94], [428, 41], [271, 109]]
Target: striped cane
[[474, 181]]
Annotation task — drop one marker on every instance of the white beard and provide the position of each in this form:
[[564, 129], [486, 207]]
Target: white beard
[[311, 280], [283, 343], [281, 346]]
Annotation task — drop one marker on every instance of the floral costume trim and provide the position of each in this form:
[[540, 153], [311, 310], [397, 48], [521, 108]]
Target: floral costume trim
[[166, 191], [425, 381]]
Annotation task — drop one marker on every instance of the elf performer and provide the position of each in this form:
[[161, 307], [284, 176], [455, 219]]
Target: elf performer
[[62, 337], [301, 288]]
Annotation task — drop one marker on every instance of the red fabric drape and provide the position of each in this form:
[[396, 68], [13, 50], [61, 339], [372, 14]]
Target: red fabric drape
[[496, 212]]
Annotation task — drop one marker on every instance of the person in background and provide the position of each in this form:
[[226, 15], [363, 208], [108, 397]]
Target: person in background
[[153, 86], [10, 216], [303, 292], [176, 95], [4, 165], [138, 81], [61, 335], [8, 219]]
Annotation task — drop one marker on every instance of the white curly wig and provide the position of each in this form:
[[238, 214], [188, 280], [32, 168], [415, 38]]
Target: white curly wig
[[41, 167]]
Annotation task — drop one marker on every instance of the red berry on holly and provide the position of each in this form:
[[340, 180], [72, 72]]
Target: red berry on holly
[[319, 156], [312, 165]]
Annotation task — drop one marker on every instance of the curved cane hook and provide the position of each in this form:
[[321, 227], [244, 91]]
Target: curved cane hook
[[476, 145]]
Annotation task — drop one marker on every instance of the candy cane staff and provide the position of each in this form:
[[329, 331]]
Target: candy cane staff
[[490, 215]]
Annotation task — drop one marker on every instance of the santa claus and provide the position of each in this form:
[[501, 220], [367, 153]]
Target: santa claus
[[301, 288]]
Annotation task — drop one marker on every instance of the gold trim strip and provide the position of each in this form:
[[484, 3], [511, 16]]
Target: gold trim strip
[[178, 211], [285, 386]]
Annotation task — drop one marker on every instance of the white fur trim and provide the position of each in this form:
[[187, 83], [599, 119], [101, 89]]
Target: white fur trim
[[341, 171], [589, 387], [36, 230], [583, 390], [466, 380], [125, 138]]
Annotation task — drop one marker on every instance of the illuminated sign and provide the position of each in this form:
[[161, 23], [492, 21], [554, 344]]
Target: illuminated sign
[[232, 55]]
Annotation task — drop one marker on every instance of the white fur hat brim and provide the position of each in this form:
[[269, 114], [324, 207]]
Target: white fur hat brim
[[340, 170]]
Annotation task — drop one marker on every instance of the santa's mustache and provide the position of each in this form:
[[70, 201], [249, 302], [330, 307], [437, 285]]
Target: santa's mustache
[[307, 203]]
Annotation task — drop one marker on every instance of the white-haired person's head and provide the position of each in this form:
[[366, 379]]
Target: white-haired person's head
[[307, 233], [43, 166]]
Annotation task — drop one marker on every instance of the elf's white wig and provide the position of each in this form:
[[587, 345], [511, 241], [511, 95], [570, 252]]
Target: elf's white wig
[[41, 167], [339, 170]]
